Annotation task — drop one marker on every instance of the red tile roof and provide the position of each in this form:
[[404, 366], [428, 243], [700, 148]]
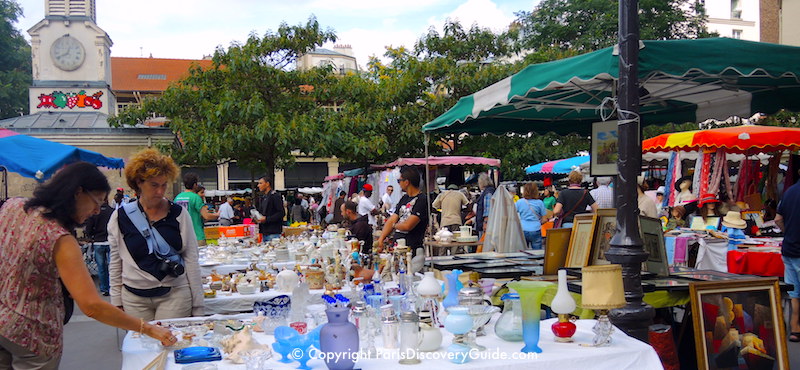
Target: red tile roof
[[127, 73]]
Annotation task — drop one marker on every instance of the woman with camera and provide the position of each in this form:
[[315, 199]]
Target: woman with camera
[[37, 248], [154, 270]]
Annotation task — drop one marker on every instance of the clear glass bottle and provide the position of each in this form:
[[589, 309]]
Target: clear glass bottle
[[509, 326], [390, 327], [409, 338]]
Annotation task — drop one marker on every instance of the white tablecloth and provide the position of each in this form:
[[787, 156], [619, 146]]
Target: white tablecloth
[[222, 269], [624, 353], [236, 303]]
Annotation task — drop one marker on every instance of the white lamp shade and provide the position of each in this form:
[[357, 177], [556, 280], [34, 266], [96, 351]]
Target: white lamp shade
[[563, 303]]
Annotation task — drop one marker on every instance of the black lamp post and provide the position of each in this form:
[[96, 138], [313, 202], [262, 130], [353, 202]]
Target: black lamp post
[[626, 245]]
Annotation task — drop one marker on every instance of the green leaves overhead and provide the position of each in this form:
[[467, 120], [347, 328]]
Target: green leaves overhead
[[15, 63]]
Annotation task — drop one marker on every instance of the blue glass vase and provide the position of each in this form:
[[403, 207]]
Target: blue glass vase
[[453, 286], [339, 336], [530, 295]]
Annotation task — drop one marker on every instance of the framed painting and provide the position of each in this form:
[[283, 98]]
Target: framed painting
[[653, 240], [605, 152], [739, 324], [697, 222], [604, 229], [556, 245], [580, 243]]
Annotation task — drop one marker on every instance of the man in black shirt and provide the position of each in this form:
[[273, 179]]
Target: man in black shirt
[[97, 232], [270, 205], [410, 218], [359, 226]]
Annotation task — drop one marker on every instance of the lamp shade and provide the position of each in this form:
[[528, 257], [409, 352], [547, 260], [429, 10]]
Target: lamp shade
[[602, 287]]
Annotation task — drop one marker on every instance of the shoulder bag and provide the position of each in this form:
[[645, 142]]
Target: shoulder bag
[[560, 219]]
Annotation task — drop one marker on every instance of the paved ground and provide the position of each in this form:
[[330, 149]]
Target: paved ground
[[90, 345]]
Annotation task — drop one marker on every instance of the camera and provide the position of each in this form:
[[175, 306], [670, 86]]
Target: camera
[[171, 268]]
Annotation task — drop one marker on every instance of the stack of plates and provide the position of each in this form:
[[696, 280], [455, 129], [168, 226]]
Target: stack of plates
[[467, 239]]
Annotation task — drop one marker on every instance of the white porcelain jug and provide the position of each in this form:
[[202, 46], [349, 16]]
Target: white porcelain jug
[[465, 231]]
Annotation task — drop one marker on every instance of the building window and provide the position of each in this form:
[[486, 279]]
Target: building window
[[736, 9], [152, 77], [737, 34]]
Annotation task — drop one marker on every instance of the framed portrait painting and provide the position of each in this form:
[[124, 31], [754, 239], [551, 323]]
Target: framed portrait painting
[[739, 325], [604, 229], [580, 243], [605, 149]]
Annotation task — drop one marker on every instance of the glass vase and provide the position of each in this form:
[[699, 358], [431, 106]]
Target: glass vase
[[509, 326], [530, 294], [339, 336], [453, 286]]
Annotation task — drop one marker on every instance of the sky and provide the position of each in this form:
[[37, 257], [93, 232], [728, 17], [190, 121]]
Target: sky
[[190, 29]]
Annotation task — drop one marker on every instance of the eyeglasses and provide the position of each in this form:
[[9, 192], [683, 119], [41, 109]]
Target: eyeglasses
[[97, 202]]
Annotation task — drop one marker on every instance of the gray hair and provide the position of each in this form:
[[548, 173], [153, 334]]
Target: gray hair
[[605, 180], [484, 180]]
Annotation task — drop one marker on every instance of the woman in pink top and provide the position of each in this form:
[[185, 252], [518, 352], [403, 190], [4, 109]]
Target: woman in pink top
[[37, 249]]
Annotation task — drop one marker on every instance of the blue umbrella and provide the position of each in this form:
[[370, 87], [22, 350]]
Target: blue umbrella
[[39, 159], [560, 166]]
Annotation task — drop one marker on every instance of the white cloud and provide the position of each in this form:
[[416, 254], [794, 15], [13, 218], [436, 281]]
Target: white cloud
[[376, 7], [485, 13], [368, 42]]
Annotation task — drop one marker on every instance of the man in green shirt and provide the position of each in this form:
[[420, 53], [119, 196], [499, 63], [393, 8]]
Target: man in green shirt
[[198, 210]]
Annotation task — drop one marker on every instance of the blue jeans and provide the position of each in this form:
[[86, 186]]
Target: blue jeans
[[534, 239], [268, 237], [101, 257]]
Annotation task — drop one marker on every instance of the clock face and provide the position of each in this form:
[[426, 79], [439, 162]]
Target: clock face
[[67, 53]]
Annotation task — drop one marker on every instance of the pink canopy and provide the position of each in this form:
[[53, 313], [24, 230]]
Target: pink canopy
[[337, 176], [441, 161]]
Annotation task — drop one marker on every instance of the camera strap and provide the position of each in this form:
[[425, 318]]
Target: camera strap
[[155, 242]]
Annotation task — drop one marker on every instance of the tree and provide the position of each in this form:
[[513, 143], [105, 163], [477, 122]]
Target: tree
[[587, 25], [15, 63], [252, 105]]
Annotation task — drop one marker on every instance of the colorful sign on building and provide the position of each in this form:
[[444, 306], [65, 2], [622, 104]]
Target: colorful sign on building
[[70, 100]]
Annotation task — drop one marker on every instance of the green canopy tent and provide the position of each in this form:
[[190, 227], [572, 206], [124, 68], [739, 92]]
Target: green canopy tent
[[681, 81]]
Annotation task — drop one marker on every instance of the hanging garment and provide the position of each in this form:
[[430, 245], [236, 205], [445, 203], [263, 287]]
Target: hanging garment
[[503, 232], [669, 190], [698, 166], [771, 185], [717, 169], [705, 174]]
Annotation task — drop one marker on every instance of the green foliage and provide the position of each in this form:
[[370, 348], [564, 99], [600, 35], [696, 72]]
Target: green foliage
[[252, 105], [15, 63], [587, 25]]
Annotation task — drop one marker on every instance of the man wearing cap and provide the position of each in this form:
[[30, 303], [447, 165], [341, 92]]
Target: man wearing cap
[[788, 219], [603, 194], [366, 207], [451, 201]]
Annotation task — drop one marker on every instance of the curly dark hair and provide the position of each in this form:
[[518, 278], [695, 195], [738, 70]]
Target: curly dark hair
[[57, 195]]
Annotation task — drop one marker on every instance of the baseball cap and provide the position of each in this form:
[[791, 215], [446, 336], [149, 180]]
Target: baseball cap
[[660, 190], [367, 187], [120, 189]]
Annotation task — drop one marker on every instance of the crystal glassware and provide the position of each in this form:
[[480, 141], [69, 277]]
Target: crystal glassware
[[530, 293]]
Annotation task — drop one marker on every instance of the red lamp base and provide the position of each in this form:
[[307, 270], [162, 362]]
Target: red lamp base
[[564, 329]]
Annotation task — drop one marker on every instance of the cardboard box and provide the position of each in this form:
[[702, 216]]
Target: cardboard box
[[212, 232], [235, 231]]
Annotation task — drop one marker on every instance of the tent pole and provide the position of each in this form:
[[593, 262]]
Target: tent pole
[[426, 141], [627, 245]]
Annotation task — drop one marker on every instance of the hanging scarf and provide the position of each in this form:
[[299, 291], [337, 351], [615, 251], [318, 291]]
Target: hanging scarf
[[716, 171], [704, 174], [669, 190]]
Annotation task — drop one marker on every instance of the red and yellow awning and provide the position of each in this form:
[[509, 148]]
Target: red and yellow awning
[[739, 139]]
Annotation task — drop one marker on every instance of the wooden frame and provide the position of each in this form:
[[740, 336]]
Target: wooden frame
[[556, 246], [653, 244], [604, 229], [580, 242], [604, 149], [734, 316]]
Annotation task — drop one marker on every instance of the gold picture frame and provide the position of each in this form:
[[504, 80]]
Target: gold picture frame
[[580, 242], [739, 320], [604, 229], [556, 246]]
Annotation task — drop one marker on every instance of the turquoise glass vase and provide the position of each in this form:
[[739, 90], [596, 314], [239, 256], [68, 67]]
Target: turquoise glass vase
[[530, 295]]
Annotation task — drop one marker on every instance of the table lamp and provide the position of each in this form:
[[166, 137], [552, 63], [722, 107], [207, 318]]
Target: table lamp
[[602, 290]]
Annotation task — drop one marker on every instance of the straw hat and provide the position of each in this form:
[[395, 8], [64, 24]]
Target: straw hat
[[707, 198], [734, 220]]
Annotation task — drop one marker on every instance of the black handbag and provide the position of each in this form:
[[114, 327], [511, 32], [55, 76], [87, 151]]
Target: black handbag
[[69, 303]]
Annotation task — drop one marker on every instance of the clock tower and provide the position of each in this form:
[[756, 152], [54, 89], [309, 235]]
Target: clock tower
[[71, 60]]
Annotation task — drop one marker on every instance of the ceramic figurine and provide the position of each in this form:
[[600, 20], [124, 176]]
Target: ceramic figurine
[[287, 280], [239, 343]]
